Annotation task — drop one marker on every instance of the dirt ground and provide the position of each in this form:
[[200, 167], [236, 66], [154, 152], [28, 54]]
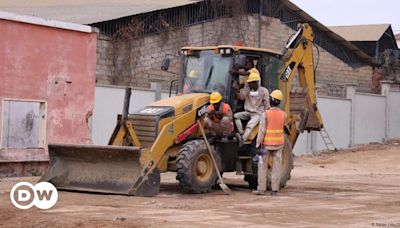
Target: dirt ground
[[359, 188]]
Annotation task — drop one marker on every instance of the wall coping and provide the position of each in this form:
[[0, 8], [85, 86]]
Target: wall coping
[[46, 22], [370, 94], [134, 88], [333, 98]]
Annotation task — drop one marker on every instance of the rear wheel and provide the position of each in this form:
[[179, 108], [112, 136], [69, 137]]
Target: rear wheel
[[195, 169]]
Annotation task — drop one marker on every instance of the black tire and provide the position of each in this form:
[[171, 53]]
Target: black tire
[[194, 167]]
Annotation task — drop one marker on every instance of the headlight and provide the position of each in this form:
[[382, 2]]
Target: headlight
[[225, 51]]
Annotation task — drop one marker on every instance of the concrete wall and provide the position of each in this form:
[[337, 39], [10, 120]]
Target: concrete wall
[[370, 117], [363, 119], [137, 62], [348, 121], [336, 114], [109, 103], [394, 115], [53, 66]]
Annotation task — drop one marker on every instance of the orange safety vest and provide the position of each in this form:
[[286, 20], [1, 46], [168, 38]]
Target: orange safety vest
[[274, 135], [225, 109]]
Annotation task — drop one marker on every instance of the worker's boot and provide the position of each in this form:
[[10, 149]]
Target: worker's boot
[[274, 193], [258, 192]]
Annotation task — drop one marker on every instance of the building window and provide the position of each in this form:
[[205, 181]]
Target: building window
[[23, 124]]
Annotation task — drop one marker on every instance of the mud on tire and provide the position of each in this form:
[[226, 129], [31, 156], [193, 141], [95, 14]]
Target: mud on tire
[[195, 170]]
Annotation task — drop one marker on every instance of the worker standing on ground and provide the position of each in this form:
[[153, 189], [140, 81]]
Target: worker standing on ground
[[272, 138], [256, 101], [218, 119]]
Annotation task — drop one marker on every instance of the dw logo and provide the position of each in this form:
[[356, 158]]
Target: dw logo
[[43, 195]]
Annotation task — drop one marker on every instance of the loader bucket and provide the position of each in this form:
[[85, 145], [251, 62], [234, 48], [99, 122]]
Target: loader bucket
[[104, 169]]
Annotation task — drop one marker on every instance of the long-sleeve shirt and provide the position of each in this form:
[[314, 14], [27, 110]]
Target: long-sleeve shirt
[[258, 103], [263, 128], [228, 114]]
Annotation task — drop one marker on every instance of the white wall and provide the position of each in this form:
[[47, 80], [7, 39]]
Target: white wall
[[109, 103], [394, 115], [336, 116], [302, 145], [370, 117], [369, 112]]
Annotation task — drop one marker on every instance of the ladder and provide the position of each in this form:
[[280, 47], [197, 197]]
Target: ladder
[[327, 140]]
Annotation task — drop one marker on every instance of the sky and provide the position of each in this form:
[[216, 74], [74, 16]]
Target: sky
[[353, 12]]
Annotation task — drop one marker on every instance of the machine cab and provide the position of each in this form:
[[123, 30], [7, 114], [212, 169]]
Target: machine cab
[[208, 69]]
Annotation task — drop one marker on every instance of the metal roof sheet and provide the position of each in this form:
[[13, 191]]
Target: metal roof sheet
[[398, 39], [93, 11], [361, 32], [316, 24], [87, 11]]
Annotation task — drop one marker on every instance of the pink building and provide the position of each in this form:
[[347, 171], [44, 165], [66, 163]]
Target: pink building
[[47, 82]]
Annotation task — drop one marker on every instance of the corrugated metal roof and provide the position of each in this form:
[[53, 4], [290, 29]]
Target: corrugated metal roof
[[87, 11], [361, 32], [357, 51], [398, 39], [93, 11]]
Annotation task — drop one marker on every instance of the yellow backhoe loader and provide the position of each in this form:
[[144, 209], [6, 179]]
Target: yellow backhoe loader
[[164, 136]]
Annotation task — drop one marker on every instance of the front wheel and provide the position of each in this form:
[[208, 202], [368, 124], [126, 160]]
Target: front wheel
[[195, 169]]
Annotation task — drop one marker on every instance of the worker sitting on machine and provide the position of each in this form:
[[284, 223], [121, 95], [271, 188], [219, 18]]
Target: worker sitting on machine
[[218, 118], [193, 82], [256, 101]]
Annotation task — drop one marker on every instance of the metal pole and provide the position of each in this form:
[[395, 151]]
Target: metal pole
[[351, 94], [157, 89], [127, 99], [260, 13], [377, 52]]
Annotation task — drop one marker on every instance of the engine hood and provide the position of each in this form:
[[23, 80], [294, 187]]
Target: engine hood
[[183, 103]]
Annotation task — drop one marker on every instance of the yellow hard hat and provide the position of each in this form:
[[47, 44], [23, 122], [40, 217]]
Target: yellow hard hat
[[215, 97], [253, 77], [194, 74], [277, 95]]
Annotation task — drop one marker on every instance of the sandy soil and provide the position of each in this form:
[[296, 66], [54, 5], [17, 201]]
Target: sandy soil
[[359, 188]]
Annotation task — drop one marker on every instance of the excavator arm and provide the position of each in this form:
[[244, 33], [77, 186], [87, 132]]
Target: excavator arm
[[300, 99]]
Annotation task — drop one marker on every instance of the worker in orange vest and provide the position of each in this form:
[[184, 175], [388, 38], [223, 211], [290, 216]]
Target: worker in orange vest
[[218, 119], [272, 137]]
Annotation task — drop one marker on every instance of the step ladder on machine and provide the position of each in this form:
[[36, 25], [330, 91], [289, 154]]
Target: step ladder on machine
[[327, 140]]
